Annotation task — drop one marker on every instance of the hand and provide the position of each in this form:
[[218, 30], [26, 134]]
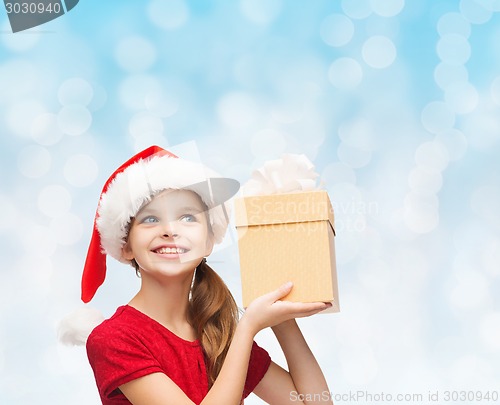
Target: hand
[[268, 310]]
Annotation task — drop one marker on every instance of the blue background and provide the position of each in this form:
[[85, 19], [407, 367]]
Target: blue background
[[395, 102]]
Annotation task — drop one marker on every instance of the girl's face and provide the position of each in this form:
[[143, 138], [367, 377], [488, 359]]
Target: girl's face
[[170, 234]]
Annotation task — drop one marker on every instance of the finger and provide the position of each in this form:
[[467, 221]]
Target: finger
[[301, 309], [280, 292]]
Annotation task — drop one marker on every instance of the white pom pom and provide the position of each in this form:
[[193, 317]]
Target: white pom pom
[[75, 328]]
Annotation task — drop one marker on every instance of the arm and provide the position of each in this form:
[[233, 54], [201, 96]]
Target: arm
[[265, 311], [304, 382]]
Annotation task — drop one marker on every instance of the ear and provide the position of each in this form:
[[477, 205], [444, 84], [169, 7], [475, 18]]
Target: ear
[[127, 252]]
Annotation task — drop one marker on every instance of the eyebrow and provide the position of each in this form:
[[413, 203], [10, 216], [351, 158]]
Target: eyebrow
[[151, 210], [192, 209]]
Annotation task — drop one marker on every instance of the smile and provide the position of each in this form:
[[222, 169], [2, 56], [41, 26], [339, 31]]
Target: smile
[[170, 250]]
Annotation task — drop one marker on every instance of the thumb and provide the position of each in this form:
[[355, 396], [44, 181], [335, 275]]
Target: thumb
[[281, 291]]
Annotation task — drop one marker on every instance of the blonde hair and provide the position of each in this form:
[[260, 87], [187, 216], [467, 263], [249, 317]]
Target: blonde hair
[[213, 313]]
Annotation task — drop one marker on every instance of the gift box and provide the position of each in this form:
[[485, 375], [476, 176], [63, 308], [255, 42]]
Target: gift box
[[287, 237]]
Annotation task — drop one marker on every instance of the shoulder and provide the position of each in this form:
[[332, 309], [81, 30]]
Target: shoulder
[[122, 326]]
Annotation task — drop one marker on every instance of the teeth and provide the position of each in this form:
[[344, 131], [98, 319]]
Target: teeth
[[168, 250]]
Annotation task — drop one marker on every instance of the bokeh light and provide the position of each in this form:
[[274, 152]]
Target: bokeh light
[[169, 15], [379, 52], [34, 161], [261, 11], [74, 119], [345, 73], [135, 54], [80, 170], [453, 49], [75, 91], [54, 200], [337, 30]]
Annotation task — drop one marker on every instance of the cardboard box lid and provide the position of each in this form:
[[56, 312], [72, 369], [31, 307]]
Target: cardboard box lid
[[284, 208]]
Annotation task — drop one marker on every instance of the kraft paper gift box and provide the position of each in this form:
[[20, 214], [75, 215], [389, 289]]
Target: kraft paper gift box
[[287, 237]]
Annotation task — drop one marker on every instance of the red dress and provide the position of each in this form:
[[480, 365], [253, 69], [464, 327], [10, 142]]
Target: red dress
[[130, 345]]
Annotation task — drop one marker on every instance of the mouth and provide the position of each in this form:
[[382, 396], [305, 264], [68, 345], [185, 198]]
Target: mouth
[[170, 250]]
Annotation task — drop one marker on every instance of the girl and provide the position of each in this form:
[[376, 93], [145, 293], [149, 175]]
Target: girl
[[179, 340]]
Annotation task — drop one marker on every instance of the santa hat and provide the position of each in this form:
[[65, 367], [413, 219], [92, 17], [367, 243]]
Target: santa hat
[[133, 185]]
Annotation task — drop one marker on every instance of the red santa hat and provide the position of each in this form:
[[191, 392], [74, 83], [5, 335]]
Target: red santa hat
[[133, 185]]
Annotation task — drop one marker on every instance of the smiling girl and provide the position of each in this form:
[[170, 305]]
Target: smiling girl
[[180, 340]]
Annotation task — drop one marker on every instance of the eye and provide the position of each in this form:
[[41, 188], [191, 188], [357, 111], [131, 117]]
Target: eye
[[188, 218], [149, 220]]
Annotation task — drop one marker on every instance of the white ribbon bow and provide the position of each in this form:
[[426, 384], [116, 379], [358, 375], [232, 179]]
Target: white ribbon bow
[[289, 174]]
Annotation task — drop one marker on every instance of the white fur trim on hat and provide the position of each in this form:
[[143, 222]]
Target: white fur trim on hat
[[75, 328], [135, 187]]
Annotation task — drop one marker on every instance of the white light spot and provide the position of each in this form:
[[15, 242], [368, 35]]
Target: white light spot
[[168, 15], [482, 128], [75, 91], [474, 11], [135, 89], [461, 97], [39, 241], [161, 104], [432, 155], [268, 144], [66, 229], [454, 141], [8, 214], [358, 9], [34, 161], [237, 110], [446, 74], [80, 170], [74, 119], [387, 8], [353, 156], [19, 41], [421, 201], [261, 11], [437, 117], [470, 290], [453, 23], [490, 257], [135, 54], [485, 202], [290, 111], [422, 179], [54, 201], [337, 30], [45, 129], [145, 123], [17, 79], [345, 73], [489, 330], [21, 116], [420, 212], [492, 5], [495, 90], [378, 52], [357, 133], [453, 49], [338, 173], [99, 98]]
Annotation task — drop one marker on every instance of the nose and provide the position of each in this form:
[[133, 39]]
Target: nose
[[168, 231]]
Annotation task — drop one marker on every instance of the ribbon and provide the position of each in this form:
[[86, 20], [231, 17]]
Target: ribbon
[[289, 174]]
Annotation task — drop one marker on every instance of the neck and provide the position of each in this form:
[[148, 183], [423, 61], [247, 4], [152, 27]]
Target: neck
[[166, 301]]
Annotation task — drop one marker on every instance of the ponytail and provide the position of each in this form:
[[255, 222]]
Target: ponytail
[[214, 315]]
